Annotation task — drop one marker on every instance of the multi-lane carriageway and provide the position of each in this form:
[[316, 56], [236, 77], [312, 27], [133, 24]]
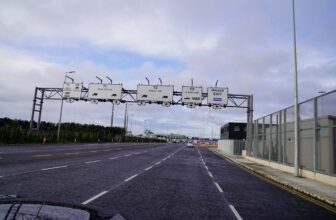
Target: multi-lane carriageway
[[147, 181]]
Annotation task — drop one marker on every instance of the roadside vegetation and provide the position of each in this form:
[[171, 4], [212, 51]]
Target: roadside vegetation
[[14, 131]]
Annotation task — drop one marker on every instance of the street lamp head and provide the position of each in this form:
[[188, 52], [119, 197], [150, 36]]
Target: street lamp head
[[322, 92], [70, 72]]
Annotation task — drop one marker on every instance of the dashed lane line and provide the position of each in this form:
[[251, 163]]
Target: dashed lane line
[[235, 212], [218, 187], [128, 179], [93, 161], [112, 158], [94, 197], [52, 168], [42, 155], [148, 168], [210, 174], [74, 153]]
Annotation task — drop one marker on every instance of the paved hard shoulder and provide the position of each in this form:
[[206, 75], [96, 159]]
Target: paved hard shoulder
[[312, 188]]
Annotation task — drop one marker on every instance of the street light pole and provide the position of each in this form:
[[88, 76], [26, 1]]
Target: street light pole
[[296, 101], [61, 111]]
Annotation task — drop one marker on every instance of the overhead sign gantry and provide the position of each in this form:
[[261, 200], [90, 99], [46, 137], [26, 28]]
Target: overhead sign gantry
[[190, 96]]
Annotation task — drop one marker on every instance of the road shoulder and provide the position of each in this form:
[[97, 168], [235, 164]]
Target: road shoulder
[[317, 192]]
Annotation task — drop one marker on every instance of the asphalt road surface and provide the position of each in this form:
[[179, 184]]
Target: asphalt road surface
[[147, 181]]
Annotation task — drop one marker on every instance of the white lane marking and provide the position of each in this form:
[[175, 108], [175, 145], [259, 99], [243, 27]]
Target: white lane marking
[[93, 151], [95, 197], [128, 179], [148, 168], [94, 161], [112, 158], [74, 153], [218, 187], [51, 168], [210, 174], [42, 155], [206, 168], [158, 163], [235, 212], [127, 155]]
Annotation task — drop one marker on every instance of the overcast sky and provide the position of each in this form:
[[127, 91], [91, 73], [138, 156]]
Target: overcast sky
[[246, 45]]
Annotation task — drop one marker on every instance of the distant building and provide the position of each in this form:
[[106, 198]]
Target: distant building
[[233, 131]]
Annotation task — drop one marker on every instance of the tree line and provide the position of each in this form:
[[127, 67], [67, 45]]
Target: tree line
[[13, 131]]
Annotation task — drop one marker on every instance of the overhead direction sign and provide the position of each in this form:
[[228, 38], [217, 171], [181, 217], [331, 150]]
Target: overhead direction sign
[[105, 91], [72, 90], [218, 96], [191, 95], [155, 93]]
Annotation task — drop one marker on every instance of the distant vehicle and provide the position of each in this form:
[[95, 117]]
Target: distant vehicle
[[190, 144]]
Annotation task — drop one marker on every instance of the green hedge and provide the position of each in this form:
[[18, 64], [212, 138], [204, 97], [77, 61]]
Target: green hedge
[[17, 131]]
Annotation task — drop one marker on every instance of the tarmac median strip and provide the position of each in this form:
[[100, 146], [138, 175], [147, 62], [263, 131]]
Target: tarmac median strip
[[52, 168], [95, 197], [235, 212], [218, 187], [94, 161]]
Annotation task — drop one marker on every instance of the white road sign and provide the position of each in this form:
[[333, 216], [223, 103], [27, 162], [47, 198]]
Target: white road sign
[[218, 96], [155, 93], [72, 90], [191, 94], [105, 91]]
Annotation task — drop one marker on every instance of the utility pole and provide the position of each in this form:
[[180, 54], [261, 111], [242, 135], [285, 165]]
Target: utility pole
[[112, 115], [296, 101], [125, 119]]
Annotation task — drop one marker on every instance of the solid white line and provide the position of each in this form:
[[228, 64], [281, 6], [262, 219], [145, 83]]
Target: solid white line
[[51, 168], [112, 158], [42, 155], [148, 168], [127, 155], [158, 163], [210, 174], [218, 187], [95, 197], [94, 161], [128, 179], [235, 212], [206, 167]]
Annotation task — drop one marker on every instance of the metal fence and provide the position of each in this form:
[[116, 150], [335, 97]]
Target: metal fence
[[272, 136]]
